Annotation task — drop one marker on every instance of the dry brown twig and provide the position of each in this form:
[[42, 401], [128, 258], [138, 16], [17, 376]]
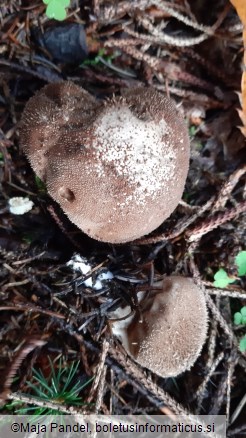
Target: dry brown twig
[[45, 404], [31, 308], [212, 341], [232, 362], [100, 390], [202, 388], [109, 13], [213, 308], [208, 224], [159, 37], [21, 355], [167, 39], [197, 232], [194, 97], [210, 30], [219, 396], [211, 223], [227, 188], [178, 229], [158, 66], [224, 292], [100, 372]]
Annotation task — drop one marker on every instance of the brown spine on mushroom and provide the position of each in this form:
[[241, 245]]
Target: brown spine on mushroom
[[117, 168], [171, 332], [49, 114]]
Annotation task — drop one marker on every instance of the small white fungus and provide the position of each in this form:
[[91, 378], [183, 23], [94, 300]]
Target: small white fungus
[[19, 205], [78, 263]]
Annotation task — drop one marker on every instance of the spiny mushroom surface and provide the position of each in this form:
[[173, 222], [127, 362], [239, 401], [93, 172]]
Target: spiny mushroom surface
[[117, 167], [168, 336], [55, 111]]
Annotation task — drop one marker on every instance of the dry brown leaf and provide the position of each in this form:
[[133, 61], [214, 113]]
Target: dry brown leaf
[[240, 6]]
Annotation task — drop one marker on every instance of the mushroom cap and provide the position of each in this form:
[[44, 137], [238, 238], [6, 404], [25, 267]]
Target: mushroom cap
[[117, 168], [172, 330]]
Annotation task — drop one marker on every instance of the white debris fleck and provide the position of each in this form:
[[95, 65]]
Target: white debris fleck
[[107, 275], [81, 264], [19, 205]]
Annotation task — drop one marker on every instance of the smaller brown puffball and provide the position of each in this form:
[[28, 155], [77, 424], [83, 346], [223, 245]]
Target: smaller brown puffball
[[116, 167], [169, 334]]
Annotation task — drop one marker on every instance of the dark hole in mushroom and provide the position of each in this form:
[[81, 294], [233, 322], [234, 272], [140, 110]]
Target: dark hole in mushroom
[[66, 193]]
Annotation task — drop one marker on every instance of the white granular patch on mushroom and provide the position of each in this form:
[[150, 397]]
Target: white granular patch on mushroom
[[136, 150]]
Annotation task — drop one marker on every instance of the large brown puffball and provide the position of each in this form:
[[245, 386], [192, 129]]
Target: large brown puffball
[[168, 334], [116, 167]]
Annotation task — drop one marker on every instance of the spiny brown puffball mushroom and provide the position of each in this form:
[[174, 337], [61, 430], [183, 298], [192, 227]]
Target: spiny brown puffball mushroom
[[168, 336], [117, 167]]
